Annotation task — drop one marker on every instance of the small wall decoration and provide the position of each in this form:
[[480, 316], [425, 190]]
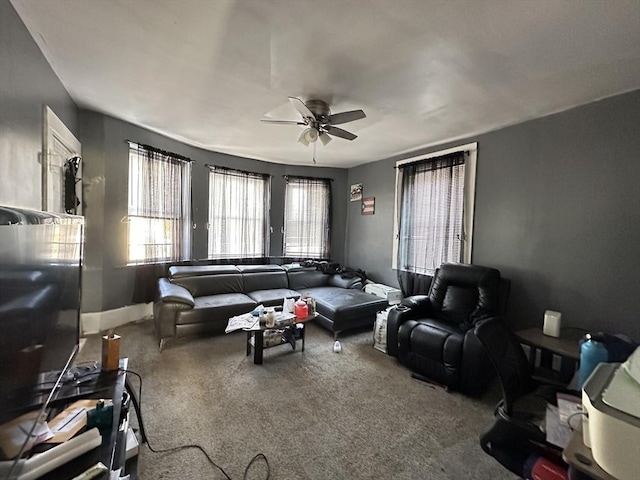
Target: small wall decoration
[[368, 205], [356, 192]]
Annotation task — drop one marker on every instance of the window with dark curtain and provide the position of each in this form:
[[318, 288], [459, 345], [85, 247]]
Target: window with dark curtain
[[307, 217], [431, 213], [239, 205], [159, 207]]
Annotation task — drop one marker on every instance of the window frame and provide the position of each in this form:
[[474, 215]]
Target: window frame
[[469, 194]]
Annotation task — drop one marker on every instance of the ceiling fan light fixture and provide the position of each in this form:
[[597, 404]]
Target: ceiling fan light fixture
[[324, 138], [303, 138], [311, 135]]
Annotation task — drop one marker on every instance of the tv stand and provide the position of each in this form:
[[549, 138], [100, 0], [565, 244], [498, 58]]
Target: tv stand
[[110, 450]]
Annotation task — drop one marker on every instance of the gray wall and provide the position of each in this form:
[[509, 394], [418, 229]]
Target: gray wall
[[557, 211], [106, 161], [27, 84]]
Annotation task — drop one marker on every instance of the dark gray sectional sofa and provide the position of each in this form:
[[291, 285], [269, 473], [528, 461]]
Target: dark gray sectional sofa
[[198, 299]]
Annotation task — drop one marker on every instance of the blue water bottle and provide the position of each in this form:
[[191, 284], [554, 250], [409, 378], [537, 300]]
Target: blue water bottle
[[592, 353]]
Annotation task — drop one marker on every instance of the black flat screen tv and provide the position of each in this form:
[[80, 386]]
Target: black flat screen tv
[[40, 291]]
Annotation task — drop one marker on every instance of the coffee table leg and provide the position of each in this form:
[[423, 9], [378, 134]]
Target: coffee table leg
[[258, 347], [302, 335], [248, 343]]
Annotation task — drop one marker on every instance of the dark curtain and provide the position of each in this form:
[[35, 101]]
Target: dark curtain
[[413, 283], [145, 285]]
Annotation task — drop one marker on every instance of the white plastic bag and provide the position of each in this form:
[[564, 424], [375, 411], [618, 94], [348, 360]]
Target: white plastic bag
[[288, 305], [380, 330]]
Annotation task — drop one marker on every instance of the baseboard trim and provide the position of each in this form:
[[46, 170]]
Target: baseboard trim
[[95, 322]]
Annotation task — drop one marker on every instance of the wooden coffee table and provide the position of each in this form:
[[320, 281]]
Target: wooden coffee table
[[256, 337]]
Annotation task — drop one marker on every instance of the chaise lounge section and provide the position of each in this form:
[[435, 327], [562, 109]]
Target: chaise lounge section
[[198, 299]]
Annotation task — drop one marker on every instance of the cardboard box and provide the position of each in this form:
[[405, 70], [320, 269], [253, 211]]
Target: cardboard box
[[391, 294], [110, 352]]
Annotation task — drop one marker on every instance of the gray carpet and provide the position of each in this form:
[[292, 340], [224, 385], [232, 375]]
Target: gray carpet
[[315, 415]]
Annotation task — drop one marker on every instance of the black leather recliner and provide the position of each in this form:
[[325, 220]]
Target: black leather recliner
[[434, 335]]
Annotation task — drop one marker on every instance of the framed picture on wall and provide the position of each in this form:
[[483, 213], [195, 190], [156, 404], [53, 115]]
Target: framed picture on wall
[[356, 192], [368, 205]]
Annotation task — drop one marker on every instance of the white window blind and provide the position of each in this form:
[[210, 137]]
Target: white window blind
[[434, 216], [159, 206], [238, 214], [307, 217]]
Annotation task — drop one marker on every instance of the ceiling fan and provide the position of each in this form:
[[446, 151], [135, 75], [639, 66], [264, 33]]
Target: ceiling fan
[[319, 122]]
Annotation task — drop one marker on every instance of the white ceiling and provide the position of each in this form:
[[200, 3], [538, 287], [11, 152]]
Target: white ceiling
[[205, 72]]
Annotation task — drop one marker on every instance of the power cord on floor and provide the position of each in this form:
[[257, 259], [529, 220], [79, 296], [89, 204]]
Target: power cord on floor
[[137, 403]]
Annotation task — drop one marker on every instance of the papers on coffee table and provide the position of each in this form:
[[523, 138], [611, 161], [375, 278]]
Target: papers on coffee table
[[245, 321]]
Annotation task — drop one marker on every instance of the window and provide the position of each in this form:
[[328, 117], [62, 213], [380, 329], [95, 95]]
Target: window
[[434, 210], [307, 217], [238, 214], [159, 206]]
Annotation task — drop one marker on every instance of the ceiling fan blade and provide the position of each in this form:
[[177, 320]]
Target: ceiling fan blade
[[345, 117], [301, 108], [284, 122], [338, 132]]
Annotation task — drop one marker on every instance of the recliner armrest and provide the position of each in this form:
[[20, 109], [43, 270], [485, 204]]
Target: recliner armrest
[[415, 306], [171, 293], [419, 304], [395, 318]]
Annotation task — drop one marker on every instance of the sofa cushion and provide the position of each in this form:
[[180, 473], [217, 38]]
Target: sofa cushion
[[301, 278], [272, 297], [259, 268], [195, 270], [209, 307], [254, 281], [203, 285]]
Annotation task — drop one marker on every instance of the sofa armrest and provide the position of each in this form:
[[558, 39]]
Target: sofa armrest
[[171, 300], [171, 293]]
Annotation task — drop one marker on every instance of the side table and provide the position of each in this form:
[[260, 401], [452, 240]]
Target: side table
[[567, 346]]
